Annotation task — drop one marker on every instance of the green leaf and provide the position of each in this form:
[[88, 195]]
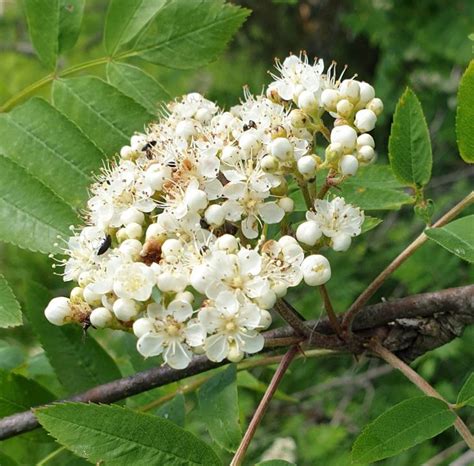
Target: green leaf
[[188, 35], [465, 115], [118, 436], [125, 19], [31, 216], [43, 26], [409, 146], [219, 408], [375, 188], [10, 312], [137, 84], [466, 394], [370, 223], [174, 410], [51, 147], [107, 116], [11, 356], [457, 237], [401, 427], [6, 460], [79, 362], [70, 19], [17, 393]]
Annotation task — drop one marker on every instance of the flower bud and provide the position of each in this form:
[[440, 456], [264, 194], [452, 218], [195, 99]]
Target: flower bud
[[376, 105], [101, 317], [215, 215], [307, 102], [365, 140], [185, 129], [126, 152], [286, 241], [171, 247], [203, 115], [298, 118], [142, 326], [344, 108], [281, 148], [308, 233], [197, 200], [125, 309], [92, 298], [265, 319], [280, 289], [350, 89], [227, 243], [281, 189], [131, 248], [287, 204], [230, 155], [154, 230], [267, 300], [133, 231], [365, 154], [132, 215], [171, 282], [329, 99], [348, 165], [186, 296], [367, 92], [307, 165], [344, 135], [365, 120], [341, 242], [269, 164], [77, 294], [248, 141], [316, 270], [58, 311]]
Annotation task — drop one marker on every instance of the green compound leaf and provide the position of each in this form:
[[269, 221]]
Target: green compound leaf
[[401, 427], [31, 216], [43, 26], [188, 35], [70, 20], [17, 393], [100, 110], [375, 188], [118, 436], [465, 115], [457, 237], [137, 84], [219, 408], [466, 394], [52, 148], [409, 146], [10, 312], [79, 362], [125, 19]]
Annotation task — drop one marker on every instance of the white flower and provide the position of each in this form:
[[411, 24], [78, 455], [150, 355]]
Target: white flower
[[308, 233], [134, 281], [232, 325], [336, 219], [346, 136], [101, 317], [365, 120], [171, 333]]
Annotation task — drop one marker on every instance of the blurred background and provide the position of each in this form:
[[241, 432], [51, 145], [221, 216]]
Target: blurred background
[[389, 43]]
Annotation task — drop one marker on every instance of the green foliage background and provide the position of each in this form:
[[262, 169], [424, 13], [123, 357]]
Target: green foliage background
[[389, 43]]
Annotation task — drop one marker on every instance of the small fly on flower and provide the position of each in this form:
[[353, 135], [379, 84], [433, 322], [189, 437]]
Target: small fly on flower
[[105, 245]]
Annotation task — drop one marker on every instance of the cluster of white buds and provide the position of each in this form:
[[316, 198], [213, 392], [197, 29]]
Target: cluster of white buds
[[176, 246]]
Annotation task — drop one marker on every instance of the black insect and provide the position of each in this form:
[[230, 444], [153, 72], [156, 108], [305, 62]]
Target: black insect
[[171, 164], [147, 149], [250, 124], [105, 245], [204, 224]]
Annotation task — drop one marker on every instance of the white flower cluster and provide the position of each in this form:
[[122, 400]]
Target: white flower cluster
[[176, 245]]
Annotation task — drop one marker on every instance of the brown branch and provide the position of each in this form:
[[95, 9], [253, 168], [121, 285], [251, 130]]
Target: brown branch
[[263, 405], [432, 319], [402, 257], [292, 318]]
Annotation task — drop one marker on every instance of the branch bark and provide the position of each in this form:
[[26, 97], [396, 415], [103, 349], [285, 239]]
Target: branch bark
[[408, 327]]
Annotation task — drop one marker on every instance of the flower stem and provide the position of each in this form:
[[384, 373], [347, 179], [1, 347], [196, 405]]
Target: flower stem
[[292, 318], [262, 407], [334, 321], [423, 385], [402, 257]]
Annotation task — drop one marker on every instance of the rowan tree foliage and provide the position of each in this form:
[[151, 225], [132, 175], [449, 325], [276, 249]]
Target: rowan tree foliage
[[266, 275]]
